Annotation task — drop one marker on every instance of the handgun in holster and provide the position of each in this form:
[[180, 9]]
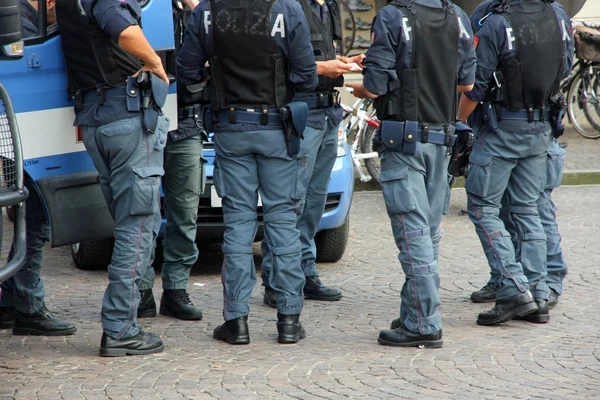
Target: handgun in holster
[[558, 106]]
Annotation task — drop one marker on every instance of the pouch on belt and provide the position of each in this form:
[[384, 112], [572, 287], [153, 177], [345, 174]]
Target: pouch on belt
[[158, 91], [293, 117], [399, 136]]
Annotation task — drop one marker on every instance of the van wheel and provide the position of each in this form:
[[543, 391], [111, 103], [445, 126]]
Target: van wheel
[[93, 254], [331, 243]]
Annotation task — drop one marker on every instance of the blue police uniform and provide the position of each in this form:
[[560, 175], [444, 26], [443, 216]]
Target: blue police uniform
[[415, 187], [182, 185], [129, 160], [252, 158], [24, 292], [511, 160], [556, 264], [320, 148]]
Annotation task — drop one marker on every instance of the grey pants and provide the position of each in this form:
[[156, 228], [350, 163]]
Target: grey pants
[[248, 163], [416, 193], [182, 185], [512, 163], [130, 164], [320, 149]]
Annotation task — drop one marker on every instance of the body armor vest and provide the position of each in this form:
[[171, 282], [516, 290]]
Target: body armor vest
[[426, 91], [92, 58], [533, 75], [248, 69], [322, 36]]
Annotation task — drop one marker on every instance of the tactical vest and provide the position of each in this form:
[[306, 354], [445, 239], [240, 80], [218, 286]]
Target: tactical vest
[[248, 69], [92, 58], [426, 91], [533, 75], [322, 36]]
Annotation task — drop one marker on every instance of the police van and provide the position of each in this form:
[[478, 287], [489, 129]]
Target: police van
[[33, 73]]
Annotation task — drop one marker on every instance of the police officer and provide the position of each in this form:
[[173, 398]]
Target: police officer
[[259, 52], [22, 305], [556, 264], [183, 184], [319, 144], [421, 55], [523, 52], [125, 134]]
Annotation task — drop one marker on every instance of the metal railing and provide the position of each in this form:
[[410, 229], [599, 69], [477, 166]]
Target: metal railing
[[12, 191]]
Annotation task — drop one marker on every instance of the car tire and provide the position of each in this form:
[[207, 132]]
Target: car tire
[[93, 254], [331, 243]]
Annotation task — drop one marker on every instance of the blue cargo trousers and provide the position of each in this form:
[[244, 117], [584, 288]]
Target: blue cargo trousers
[[515, 164], [246, 164], [25, 290], [129, 161], [320, 149], [556, 264], [416, 193], [182, 185]]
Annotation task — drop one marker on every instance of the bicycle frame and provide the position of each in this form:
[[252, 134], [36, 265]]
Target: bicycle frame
[[359, 119]]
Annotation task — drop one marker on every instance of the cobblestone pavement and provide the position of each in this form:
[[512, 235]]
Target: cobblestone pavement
[[340, 357], [583, 155]]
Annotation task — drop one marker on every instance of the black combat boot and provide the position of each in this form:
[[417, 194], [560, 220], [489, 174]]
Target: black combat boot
[[269, 298], [140, 344], [314, 289], [485, 294], [540, 316], [289, 328], [506, 309], [41, 323], [7, 317], [402, 337], [234, 331], [553, 298], [178, 304], [147, 307]]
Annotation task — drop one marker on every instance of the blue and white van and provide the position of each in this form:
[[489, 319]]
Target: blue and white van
[[63, 173]]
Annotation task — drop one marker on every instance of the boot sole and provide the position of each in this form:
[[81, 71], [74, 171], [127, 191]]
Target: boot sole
[[233, 340], [537, 319], [290, 339], [35, 332], [127, 352], [521, 312], [428, 344], [147, 314], [6, 325], [168, 312], [323, 298], [480, 300]]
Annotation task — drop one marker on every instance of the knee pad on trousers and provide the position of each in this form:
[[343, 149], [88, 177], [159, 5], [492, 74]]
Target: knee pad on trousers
[[288, 217], [232, 217], [281, 251], [231, 249], [527, 232]]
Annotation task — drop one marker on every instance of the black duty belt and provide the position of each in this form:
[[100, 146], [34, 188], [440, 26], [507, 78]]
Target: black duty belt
[[100, 95], [320, 100], [531, 115], [436, 134], [189, 111], [264, 116]]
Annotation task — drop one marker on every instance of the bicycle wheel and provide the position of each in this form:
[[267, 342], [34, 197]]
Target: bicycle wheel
[[366, 146], [583, 103]]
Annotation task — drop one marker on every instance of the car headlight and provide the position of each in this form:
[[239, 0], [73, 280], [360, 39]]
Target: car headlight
[[342, 140]]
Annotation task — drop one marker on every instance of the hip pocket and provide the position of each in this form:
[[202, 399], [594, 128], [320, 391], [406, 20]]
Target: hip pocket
[[555, 164], [397, 190], [145, 193], [218, 178], [478, 179], [301, 182], [447, 197], [121, 127]]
